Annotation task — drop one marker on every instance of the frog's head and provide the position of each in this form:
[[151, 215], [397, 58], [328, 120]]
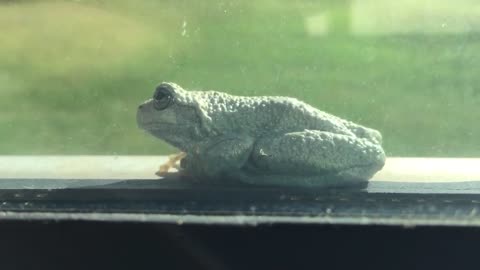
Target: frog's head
[[174, 115]]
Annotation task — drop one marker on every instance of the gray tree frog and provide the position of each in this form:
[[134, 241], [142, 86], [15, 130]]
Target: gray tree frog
[[265, 140]]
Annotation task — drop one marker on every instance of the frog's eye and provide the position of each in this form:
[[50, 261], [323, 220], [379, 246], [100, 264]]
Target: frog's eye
[[162, 98]]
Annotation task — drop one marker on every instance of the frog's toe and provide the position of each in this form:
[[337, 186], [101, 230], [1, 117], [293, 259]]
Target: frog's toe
[[163, 170]]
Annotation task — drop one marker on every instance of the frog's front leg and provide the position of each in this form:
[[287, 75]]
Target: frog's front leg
[[172, 162], [217, 157], [317, 153]]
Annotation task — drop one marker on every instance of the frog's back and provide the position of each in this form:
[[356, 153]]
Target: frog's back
[[262, 115], [297, 115]]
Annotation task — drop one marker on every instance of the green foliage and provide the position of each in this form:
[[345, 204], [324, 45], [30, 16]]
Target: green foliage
[[73, 73]]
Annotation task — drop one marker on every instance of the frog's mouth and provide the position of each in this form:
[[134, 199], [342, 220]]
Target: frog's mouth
[[150, 120], [157, 126], [142, 123]]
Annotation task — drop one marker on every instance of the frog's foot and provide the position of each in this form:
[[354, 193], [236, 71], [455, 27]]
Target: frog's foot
[[172, 162]]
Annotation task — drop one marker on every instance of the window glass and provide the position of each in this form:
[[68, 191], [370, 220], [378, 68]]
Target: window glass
[[75, 75], [72, 73]]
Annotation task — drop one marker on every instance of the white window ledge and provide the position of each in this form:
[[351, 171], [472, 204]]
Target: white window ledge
[[407, 192], [397, 169]]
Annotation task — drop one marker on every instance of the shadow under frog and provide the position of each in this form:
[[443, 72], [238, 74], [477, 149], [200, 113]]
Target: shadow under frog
[[265, 140]]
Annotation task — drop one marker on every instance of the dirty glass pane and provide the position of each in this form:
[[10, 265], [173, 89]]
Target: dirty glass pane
[[72, 73]]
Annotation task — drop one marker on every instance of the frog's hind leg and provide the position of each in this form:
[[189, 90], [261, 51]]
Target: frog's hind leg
[[318, 154]]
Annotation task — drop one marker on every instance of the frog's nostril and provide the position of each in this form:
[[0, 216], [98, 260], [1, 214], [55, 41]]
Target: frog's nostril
[[141, 106]]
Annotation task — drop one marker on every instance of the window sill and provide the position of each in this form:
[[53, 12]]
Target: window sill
[[397, 169], [407, 192]]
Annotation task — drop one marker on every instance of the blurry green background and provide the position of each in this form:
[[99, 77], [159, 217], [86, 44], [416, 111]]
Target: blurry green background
[[73, 72]]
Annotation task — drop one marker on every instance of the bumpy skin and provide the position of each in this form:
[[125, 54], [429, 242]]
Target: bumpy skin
[[261, 140]]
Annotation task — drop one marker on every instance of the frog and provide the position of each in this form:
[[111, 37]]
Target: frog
[[259, 140]]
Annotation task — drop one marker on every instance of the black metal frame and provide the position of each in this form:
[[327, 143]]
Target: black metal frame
[[406, 204]]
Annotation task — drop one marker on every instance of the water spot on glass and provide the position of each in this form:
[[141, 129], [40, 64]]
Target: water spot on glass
[[184, 28]]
